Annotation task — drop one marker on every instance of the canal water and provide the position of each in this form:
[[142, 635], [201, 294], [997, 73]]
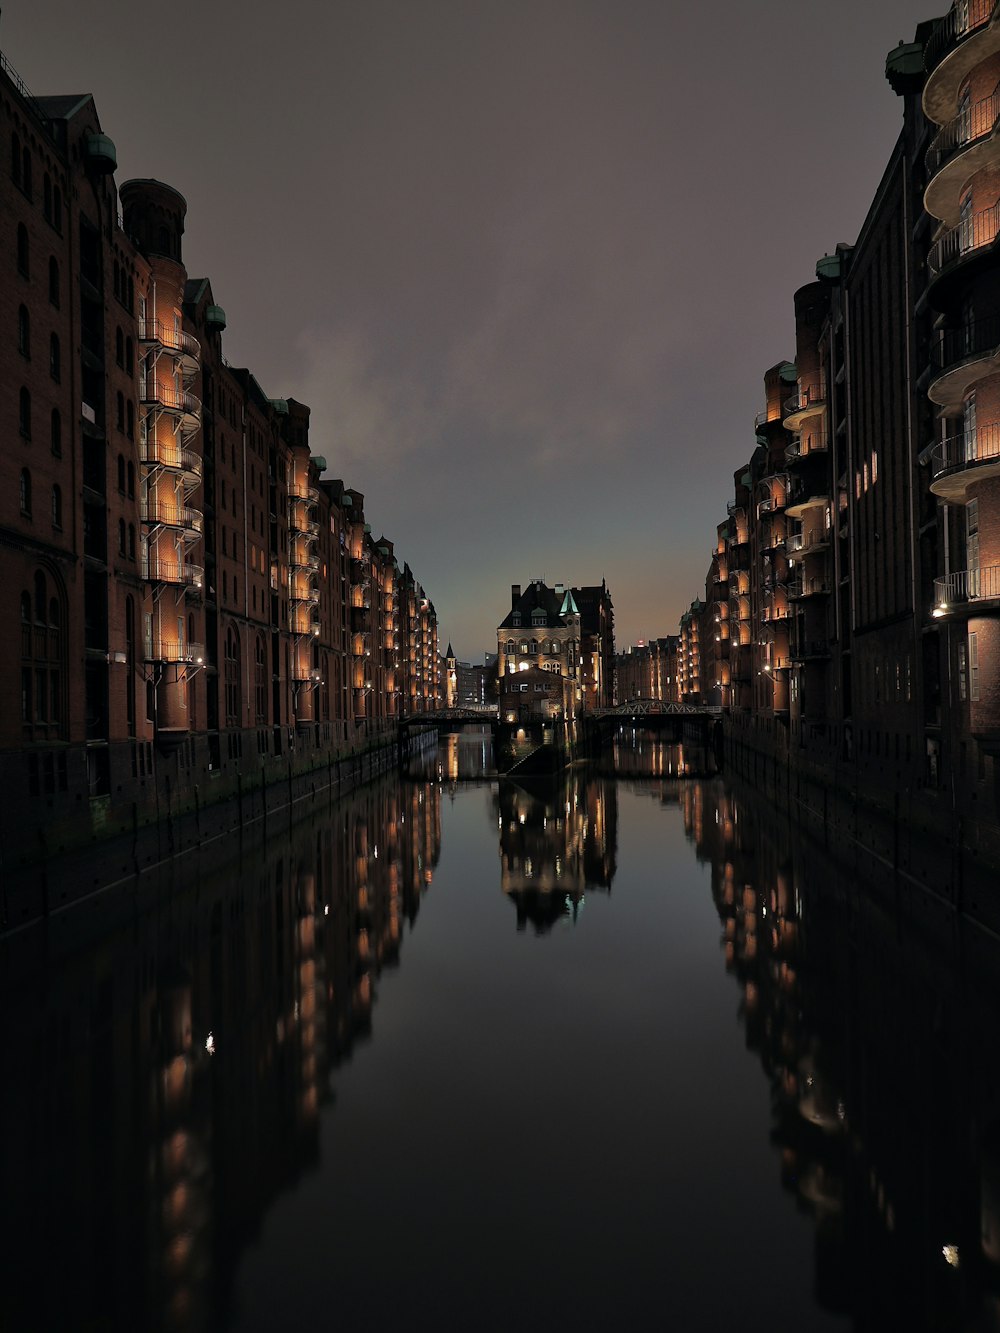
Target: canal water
[[617, 1050]]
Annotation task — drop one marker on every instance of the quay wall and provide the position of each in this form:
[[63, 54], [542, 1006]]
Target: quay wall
[[898, 829], [59, 848]]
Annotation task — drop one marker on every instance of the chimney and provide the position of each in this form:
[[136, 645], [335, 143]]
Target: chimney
[[560, 588], [515, 595]]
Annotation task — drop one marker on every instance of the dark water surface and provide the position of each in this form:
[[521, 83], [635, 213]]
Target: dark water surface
[[609, 1052]]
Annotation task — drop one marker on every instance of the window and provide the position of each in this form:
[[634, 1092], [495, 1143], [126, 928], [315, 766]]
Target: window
[[121, 474], [54, 281], [260, 681], [131, 541], [57, 208], [131, 481], [524, 646], [130, 420], [974, 666], [22, 250], [55, 357], [24, 413], [121, 536], [119, 348], [42, 665], [56, 433], [47, 197], [25, 492], [129, 356], [26, 172], [15, 159], [56, 507], [24, 331], [231, 673], [120, 410], [963, 688]]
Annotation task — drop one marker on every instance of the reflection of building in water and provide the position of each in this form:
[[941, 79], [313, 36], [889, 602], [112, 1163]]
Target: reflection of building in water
[[175, 1072], [873, 1021], [558, 838]]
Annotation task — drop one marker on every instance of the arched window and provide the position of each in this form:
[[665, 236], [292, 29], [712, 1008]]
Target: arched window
[[55, 357], [131, 294], [57, 208], [119, 348], [54, 281], [56, 507], [510, 645], [23, 266], [121, 474], [129, 356], [118, 279], [534, 646], [26, 172], [25, 492], [42, 663], [120, 410], [15, 159], [260, 681], [121, 536], [231, 672], [56, 433], [23, 331], [47, 197], [131, 541]]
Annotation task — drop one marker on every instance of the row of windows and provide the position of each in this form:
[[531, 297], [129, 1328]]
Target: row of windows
[[24, 265], [532, 646], [24, 343], [25, 496], [43, 646], [24, 421], [21, 175]]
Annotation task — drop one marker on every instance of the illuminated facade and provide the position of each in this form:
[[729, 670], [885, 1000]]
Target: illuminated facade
[[194, 600]]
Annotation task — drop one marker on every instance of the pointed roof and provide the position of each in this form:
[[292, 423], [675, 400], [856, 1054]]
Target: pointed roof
[[569, 606], [449, 653]]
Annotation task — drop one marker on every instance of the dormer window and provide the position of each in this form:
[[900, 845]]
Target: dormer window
[[538, 618]]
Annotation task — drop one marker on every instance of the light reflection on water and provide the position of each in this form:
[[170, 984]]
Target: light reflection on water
[[273, 1107]]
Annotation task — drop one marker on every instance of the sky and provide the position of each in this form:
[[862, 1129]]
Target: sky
[[526, 260]]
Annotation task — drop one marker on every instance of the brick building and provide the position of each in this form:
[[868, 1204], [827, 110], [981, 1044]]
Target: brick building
[[194, 600]]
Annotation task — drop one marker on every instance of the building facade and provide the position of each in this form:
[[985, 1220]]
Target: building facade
[[194, 600]]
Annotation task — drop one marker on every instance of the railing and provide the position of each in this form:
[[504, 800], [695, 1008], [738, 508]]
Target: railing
[[968, 585], [798, 493], [164, 395], [304, 560], [799, 588], [971, 234], [168, 569], [303, 592], [299, 491], [809, 648], [804, 542], [979, 445], [976, 338], [157, 452], [174, 340], [813, 396], [23, 90], [961, 21], [170, 515], [806, 448], [971, 124], [734, 507], [160, 649]]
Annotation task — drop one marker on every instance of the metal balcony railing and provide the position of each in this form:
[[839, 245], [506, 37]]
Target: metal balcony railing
[[801, 543], [811, 396], [971, 234], [970, 125], [967, 585], [800, 588], [300, 491], [808, 648], [167, 454], [168, 569], [966, 449], [174, 340], [170, 515], [161, 649], [165, 395], [961, 21], [977, 338]]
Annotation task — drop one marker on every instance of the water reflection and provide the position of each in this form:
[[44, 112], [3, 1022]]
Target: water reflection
[[167, 1082], [169, 1077], [558, 838]]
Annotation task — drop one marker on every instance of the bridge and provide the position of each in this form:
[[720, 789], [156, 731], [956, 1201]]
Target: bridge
[[695, 725], [657, 708]]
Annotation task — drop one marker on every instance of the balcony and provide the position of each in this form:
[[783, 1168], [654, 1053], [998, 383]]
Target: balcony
[[185, 349], [166, 568], [962, 459], [809, 650], [967, 144], [803, 495], [298, 490], [973, 238], [805, 543], [773, 537], [161, 649], [154, 394], [735, 507], [799, 450], [961, 357], [303, 560], [965, 36], [168, 454], [969, 592], [167, 515], [800, 589], [302, 622], [303, 593], [810, 401]]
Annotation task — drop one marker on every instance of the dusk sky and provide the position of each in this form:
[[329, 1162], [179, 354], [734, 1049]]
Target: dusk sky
[[527, 262]]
